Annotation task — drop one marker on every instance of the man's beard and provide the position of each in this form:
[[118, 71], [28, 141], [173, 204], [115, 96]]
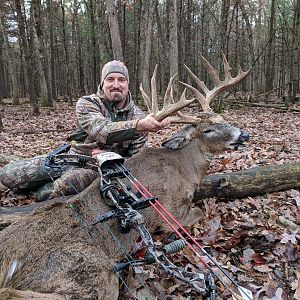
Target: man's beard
[[117, 97]]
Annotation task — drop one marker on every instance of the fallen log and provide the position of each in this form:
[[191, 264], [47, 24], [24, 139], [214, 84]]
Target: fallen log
[[266, 105], [249, 183]]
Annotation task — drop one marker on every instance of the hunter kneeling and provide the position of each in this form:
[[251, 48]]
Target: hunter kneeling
[[106, 121]]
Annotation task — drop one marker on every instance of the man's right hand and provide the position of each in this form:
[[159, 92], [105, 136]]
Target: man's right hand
[[150, 124]]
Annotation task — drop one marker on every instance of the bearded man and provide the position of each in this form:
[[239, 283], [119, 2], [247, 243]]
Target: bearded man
[[106, 121], [109, 120]]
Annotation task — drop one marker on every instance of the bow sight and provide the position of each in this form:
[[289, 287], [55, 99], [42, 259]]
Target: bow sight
[[127, 197]]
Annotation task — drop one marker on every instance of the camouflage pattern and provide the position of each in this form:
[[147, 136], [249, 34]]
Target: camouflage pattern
[[27, 174], [72, 182], [100, 125], [31, 175]]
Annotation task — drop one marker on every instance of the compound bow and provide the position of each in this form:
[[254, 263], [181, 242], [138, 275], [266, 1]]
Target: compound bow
[[126, 202]]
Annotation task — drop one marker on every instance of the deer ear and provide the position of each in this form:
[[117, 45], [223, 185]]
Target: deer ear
[[176, 141], [181, 138]]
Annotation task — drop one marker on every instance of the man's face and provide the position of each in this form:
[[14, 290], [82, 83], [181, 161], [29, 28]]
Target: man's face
[[115, 88]]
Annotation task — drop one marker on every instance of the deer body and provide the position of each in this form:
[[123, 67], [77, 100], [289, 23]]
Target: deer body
[[57, 250]]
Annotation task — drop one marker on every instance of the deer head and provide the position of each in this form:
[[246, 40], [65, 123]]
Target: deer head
[[210, 128]]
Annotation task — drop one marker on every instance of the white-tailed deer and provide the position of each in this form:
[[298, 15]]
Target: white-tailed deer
[[55, 249]]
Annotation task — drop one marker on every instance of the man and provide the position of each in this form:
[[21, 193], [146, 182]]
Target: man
[[109, 120], [106, 121]]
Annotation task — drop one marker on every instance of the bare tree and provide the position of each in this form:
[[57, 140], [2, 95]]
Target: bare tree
[[294, 60], [114, 30], [43, 55], [10, 63], [28, 56], [269, 71], [51, 49], [146, 42], [173, 39], [67, 65]]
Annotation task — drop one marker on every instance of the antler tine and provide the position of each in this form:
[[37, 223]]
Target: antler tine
[[219, 85], [231, 81], [201, 99], [170, 107], [154, 106], [168, 98], [182, 118], [227, 68], [145, 97]]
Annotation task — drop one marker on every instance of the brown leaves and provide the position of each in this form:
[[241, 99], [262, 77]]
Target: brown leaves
[[28, 136]]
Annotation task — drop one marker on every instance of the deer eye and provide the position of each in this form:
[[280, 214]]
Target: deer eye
[[208, 131]]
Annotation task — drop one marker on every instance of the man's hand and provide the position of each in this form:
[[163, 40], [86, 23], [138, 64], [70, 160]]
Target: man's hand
[[150, 124]]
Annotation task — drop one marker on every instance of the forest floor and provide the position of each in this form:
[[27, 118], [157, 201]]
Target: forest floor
[[245, 235]]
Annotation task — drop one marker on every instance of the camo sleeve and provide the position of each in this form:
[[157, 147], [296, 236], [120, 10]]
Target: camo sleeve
[[94, 119], [141, 140], [137, 144]]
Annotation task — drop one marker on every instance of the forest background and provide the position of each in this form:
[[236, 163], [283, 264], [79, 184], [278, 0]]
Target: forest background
[[55, 49]]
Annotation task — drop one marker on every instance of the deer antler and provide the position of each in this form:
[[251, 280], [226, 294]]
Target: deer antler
[[172, 108], [219, 85], [169, 106]]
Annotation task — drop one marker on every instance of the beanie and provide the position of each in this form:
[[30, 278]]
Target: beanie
[[114, 66]]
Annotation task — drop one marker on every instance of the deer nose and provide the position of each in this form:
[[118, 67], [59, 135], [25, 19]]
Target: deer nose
[[244, 136]]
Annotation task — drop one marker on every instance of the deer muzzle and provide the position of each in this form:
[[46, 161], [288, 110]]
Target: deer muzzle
[[239, 143]]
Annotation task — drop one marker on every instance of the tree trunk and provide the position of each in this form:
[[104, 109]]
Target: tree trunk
[[66, 52], [43, 56], [28, 58], [163, 58], [294, 60], [249, 183], [224, 26], [10, 65], [51, 48], [270, 51], [173, 39], [146, 44], [114, 30], [93, 47]]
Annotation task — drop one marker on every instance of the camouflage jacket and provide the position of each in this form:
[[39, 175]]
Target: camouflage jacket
[[100, 125]]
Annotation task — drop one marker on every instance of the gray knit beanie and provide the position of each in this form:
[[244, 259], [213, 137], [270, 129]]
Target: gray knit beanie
[[114, 66]]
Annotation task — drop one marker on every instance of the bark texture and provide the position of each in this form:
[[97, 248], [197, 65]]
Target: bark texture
[[249, 183]]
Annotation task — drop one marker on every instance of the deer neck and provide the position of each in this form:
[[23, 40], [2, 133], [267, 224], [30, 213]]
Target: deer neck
[[196, 158]]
